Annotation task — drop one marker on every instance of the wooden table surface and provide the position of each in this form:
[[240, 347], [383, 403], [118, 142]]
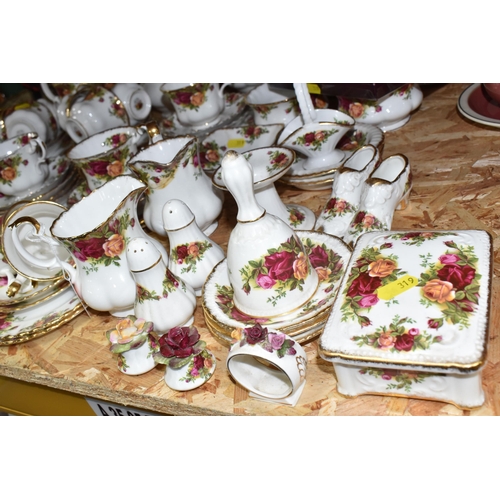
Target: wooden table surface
[[456, 167]]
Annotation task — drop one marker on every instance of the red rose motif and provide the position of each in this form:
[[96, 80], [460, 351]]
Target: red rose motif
[[280, 265], [182, 251], [308, 138], [182, 98], [90, 249], [198, 362], [364, 284], [318, 257], [280, 159], [249, 131], [98, 167], [179, 342], [331, 203], [359, 217], [404, 342], [458, 276], [255, 334]]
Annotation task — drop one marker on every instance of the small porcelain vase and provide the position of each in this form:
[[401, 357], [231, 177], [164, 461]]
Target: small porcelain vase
[[192, 375], [268, 266], [138, 361], [192, 254], [135, 344], [161, 297]]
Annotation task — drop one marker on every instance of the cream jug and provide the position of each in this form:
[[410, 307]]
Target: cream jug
[[96, 232], [168, 169]]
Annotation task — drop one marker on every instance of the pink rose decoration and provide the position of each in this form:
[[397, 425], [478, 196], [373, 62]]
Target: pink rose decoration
[[264, 281], [318, 257], [368, 300], [276, 340], [449, 258]]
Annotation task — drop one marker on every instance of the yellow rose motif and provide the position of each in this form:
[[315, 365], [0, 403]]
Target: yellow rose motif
[[381, 268], [300, 266], [115, 168], [236, 334], [197, 99], [114, 246], [126, 330], [356, 109], [440, 291], [9, 173], [319, 136], [323, 273], [386, 340], [193, 250]]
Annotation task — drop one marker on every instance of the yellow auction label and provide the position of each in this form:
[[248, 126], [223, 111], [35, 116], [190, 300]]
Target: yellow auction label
[[313, 88], [236, 143], [24, 105], [393, 289]]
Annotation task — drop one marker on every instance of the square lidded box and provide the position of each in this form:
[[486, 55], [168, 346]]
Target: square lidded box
[[411, 317]]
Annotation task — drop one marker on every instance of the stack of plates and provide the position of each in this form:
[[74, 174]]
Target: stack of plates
[[36, 309], [328, 254], [322, 178]]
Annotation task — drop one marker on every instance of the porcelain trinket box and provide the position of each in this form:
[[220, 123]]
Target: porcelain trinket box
[[411, 317]]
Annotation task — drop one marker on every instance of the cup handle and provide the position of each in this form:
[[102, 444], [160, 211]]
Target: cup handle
[[49, 94], [42, 147], [47, 264]]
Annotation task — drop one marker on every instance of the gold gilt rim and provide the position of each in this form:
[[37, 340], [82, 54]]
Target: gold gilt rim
[[409, 396], [82, 159], [270, 178], [345, 168], [304, 340], [317, 174], [118, 207], [293, 329], [23, 305], [373, 180], [39, 332], [289, 182], [286, 99], [323, 123], [133, 159], [339, 356]]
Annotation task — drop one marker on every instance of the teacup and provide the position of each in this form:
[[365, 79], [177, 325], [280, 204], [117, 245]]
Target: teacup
[[38, 117], [93, 109], [270, 106], [196, 104], [22, 164], [135, 99], [103, 156]]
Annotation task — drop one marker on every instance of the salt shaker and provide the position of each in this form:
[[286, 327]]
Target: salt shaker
[[268, 266], [161, 296], [192, 254]]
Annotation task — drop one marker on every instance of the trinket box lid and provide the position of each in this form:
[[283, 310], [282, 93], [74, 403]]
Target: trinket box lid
[[415, 298]]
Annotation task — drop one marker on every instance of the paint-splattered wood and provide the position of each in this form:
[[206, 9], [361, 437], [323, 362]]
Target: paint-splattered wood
[[456, 166]]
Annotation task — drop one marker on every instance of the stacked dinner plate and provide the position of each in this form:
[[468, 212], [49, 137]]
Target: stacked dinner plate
[[328, 255], [322, 178]]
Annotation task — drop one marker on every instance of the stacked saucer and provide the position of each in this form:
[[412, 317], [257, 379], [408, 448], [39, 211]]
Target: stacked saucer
[[322, 178], [32, 302], [327, 254]]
